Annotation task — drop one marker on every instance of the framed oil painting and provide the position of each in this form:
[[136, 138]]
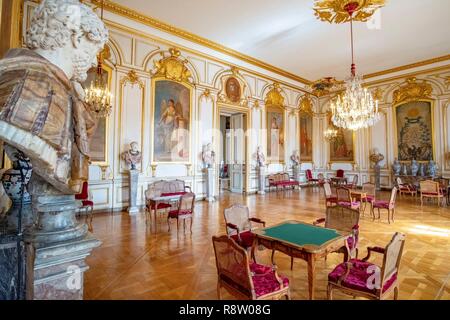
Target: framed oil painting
[[305, 137], [275, 134], [414, 129], [342, 147], [98, 143], [171, 122], [233, 89]]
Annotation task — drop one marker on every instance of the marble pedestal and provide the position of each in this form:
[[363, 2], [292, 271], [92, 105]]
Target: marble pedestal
[[296, 171], [377, 169], [261, 179], [133, 187], [209, 175]]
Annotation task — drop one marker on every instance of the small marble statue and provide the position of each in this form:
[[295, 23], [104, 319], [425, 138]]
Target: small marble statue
[[260, 157], [431, 168], [414, 167], [208, 156], [397, 167], [133, 156], [295, 158]]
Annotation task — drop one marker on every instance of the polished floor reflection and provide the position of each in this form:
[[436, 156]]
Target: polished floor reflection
[[140, 261]]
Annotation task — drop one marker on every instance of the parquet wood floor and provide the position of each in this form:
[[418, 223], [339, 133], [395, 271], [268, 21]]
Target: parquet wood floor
[[139, 261]]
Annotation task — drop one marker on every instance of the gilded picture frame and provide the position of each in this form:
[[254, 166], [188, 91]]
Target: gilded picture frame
[[405, 109], [306, 132], [275, 127], [172, 121], [339, 151]]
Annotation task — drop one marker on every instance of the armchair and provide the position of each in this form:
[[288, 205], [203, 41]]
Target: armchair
[[406, 188], [370, 190], [330, 198], [354, 277], [353, 184], [310, 179], [430, 189], [184, 211], [86, 199], [243, 279], [344, 199], [239, 225]]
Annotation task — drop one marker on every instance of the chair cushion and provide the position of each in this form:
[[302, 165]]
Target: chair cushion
[[382, 204], [368, 198], [247, 238], [429, 193], [169, 194], [174, 213], [347, 204], [161, 206], [264, 280], [358, 276], [87, 203], [332, 199]]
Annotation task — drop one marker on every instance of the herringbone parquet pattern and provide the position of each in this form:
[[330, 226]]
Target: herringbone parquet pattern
[[139, 261]]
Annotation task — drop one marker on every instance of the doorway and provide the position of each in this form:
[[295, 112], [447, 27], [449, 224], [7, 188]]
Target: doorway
[[232, 152]]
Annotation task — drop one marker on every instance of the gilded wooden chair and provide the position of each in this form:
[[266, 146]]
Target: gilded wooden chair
[[345, 220], [344, 199], [430, 189], [239, 225], [370, 190], [330, 198], [87, 205], [309, 178], [360, 278], [243, 279], [405, 188], [387, 205], [353, 184], [185, 210]]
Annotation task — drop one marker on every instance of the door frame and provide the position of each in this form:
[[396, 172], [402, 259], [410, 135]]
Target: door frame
[[233, 109]]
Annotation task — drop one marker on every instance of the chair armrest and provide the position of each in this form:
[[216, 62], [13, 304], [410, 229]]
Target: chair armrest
[[258, 221], [235, 227], [348, 265], [374, 249], [319, 221]]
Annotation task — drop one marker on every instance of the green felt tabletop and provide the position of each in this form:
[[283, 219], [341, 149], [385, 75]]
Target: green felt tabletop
[[300, 234]]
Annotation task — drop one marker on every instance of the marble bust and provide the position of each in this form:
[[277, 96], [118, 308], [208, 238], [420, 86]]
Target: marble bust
[[208, 156], [43, 113], [295, 158], [260, 157], [132, 156]]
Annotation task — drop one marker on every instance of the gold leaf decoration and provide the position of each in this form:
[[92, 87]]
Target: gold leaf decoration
[[274, 96], [324, 86], [133, 78], [377, 94], [305, 105], [172, 67], [412, 90], [334, 11]]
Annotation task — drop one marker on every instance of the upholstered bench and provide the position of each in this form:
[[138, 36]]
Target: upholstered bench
[[281, 180]]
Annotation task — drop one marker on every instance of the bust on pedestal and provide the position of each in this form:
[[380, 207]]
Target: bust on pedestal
[[133, 158], [296, 167], [208, 159], [44, 116], [261, 169], [376, 157]]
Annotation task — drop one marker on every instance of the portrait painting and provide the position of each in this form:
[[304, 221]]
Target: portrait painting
[[233, 89], [275, 135], [98, 142], [172, 114], [305, 137], [341, 148], [414, 131]]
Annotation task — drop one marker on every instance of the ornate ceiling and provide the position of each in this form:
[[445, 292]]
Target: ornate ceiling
[[287, 35]]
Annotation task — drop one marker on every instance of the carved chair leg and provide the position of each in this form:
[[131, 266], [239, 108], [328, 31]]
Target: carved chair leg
[[330, 292], [396, 293], [292, 263], [168, 222], [192, 218], [273, 254]]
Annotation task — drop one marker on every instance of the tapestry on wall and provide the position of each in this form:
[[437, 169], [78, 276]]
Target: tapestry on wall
[[97, 144], [341, 148], [172, 114], [305, 137], [275, 135], [414, 131]]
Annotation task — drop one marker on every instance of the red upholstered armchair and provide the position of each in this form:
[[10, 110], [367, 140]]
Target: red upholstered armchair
[[243, 279], [239, 225], [354, 277], [344, 199], [310, 179], [339, 173], [85, 198], [387, 205], [185, 210]]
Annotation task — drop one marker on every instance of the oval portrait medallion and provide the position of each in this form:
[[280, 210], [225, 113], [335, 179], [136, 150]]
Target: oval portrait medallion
[[233, 90]]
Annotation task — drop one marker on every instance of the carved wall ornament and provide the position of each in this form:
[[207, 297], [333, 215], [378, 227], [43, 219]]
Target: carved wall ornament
[[172, 67], [133, 78], [233, 89], [306, 105], [274, 96], [336, 11], [412, 90], [324, 86], [377, 94]]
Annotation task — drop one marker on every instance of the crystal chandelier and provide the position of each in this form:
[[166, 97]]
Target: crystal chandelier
[[355, 108], [98, 96], [330, 134]]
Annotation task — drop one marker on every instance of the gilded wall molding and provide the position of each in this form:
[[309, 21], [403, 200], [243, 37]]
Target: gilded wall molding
[[132, 78], [172, 67], [412, 90], [306, 105], [274, 96]]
